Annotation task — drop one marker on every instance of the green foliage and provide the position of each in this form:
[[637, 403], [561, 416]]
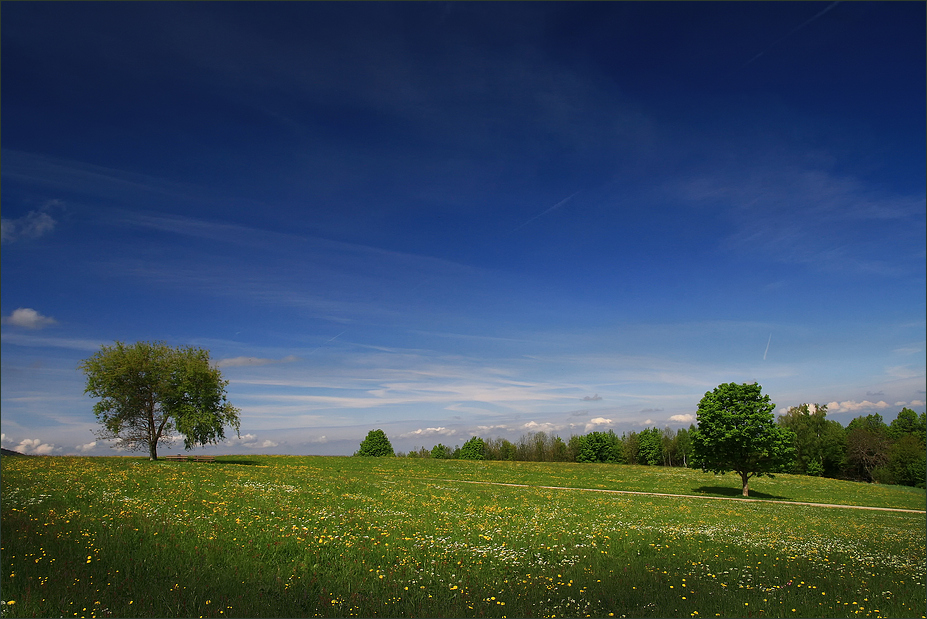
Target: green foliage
[[736, 432], [650, 447], [909, 423], [499, 449], [507, 451], [820, 443], [599, 447], [867, 446], [629, 448], [907, 462], [149, 391], [887, 454], [819, 446], [441, 452], [472, 449], [376, 445]]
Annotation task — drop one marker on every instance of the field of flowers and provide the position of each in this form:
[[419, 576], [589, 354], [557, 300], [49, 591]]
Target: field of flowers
[[306, 536]]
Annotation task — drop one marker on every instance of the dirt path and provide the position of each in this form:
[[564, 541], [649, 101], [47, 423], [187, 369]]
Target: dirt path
[[687, 496]]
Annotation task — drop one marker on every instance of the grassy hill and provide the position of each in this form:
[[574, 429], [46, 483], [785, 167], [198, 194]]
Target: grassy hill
[[328, 536]]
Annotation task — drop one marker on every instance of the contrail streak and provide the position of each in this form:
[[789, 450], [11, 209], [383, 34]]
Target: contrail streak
[[556, 206], [767, 346], [793, 31], [335, 338], [327, 341]]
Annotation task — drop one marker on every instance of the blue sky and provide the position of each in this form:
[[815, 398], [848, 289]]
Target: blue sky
[[447, 220]]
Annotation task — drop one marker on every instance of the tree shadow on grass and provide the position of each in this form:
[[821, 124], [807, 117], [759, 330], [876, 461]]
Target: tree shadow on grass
[[243, 462], [736, 492]]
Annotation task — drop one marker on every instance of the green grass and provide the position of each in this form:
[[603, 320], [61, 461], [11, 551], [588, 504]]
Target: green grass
[[305, 536], [665, 480]]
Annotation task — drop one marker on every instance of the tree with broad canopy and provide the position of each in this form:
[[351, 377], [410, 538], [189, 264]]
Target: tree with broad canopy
[[737, 432], [473, 449], [376, 445], [149, 390]]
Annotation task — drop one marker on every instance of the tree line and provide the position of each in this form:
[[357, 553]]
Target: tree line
[[867, 449]]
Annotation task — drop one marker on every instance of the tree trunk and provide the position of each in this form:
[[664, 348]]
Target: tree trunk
[[746, 480], [152, 435]]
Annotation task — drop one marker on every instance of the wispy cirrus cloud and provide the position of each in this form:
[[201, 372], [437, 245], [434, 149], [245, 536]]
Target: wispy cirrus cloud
[[237, 362], [76, 176], [30, 226], [825, 232], [327, 284], [23, 339]]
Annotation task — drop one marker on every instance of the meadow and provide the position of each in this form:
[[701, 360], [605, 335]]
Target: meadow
[[281, 536]]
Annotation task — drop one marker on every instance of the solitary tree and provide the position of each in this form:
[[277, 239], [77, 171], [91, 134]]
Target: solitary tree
[[736, 432], [376, 444], [150, 391]]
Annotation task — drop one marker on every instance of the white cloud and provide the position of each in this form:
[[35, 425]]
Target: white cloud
[[252, 361], [34, 446], [241, 440], [30, 226], [541, 427], [916, 403], [687, 418], [86, 447], [597, 421], [503, 427], [850, 406], [442, 431], [28, 318], [251, 441]]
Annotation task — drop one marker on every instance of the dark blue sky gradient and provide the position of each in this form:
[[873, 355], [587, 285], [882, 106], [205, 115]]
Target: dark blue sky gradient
[[495, 209]]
